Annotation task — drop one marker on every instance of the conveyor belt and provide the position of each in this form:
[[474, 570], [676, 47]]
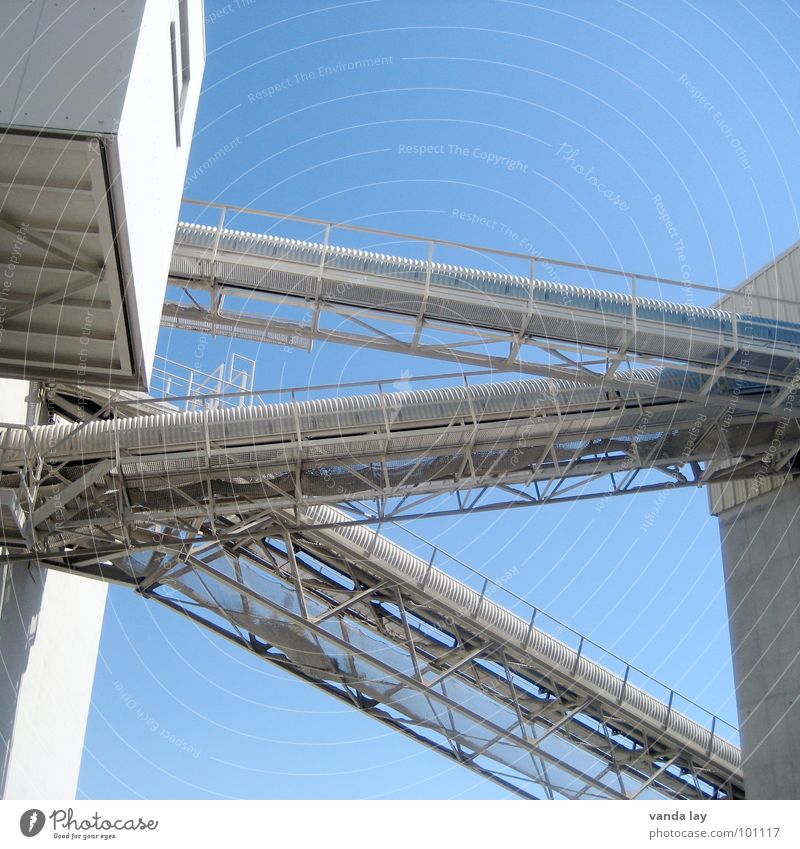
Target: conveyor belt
[[235, 262]]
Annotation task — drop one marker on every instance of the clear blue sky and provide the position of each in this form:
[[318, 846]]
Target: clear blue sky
[[692, 102]]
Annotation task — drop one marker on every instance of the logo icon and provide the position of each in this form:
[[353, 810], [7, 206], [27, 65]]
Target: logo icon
[[403, 383], [31, 822]]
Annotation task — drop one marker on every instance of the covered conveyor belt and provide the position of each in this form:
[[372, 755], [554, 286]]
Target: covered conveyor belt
[[387, 446], [436, 658], [710, 341], [226, 513]]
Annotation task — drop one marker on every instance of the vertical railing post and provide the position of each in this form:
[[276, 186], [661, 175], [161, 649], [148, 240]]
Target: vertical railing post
[[320, 275], [428, 571], [624, 683], [217, 237], [215, 296], [578, 655], [669, 709], [121, 484], [424, 302], [713, 730], [531, 285], [429, 267], [479, 605], [529, 637]]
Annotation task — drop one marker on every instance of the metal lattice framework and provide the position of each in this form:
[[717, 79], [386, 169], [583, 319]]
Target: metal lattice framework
[[439, 660], [510, 443], [222, 507], [479, 318]]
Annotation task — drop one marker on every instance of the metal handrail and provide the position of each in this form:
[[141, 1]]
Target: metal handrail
[[598, 269], [293, 391], [537, 613]]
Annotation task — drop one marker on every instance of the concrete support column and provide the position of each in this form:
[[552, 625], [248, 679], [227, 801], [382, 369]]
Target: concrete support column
[[50, 627], [761, 555]]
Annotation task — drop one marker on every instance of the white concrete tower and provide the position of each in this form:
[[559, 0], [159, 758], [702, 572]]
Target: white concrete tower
[[760, 531], [97, 110]]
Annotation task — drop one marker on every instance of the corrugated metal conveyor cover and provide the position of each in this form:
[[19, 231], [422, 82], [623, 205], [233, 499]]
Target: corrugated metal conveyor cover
[[490, 282], [486, 616]]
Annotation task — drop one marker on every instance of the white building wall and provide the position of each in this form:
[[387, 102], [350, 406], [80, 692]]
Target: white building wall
[[760, 538], [115, 71], [773, 292], [761, 557], [151, 159], [48, 47], [119, 72], [49, 633]]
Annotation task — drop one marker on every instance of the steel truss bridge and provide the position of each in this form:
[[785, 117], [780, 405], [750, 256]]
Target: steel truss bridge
[[261, 519]]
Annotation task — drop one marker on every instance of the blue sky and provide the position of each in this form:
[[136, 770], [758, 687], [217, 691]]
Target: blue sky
[[566, 128]]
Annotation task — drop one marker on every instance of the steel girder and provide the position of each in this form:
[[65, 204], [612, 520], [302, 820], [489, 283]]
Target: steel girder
[[461, 314], [522, 443], [306, 602], [226, 532]]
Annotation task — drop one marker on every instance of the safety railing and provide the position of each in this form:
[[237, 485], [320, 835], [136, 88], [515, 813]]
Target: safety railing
[[488, 588], [498, 592], [230, 384], [198, 399], [431, 250]]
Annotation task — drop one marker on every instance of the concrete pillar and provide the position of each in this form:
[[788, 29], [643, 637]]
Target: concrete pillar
[[50, 627], [761, 556]]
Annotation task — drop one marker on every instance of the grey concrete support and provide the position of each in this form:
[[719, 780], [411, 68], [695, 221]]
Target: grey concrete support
[[50, 627], [761, 554]]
